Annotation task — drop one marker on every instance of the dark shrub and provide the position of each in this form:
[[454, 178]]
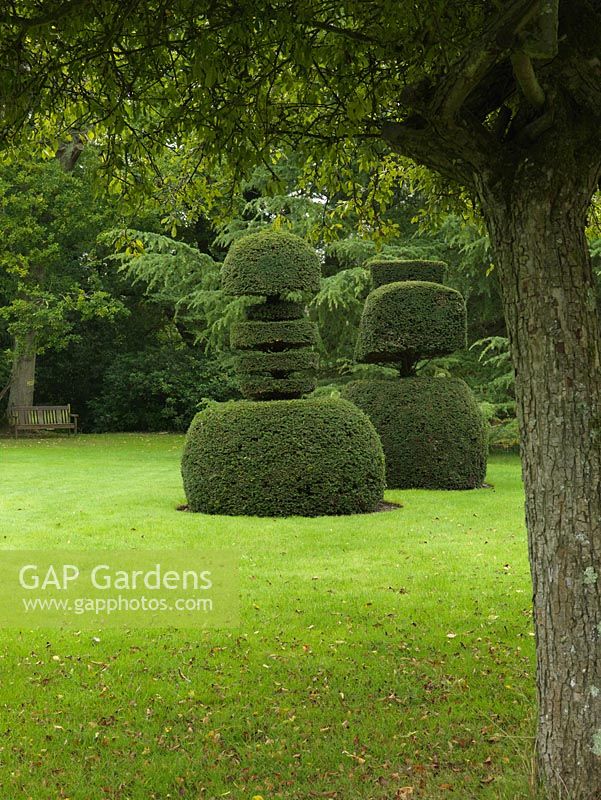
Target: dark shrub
[[283, 458], [157, 390], [411, 320], [432, 431], [384, 272], [275, 310], [270, 263], [282, 335]]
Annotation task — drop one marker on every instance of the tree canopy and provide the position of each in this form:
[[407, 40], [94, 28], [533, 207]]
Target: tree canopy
[[457, 86]]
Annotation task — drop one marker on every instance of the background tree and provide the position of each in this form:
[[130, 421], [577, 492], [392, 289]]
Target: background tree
[[49, 219], [503, 99]]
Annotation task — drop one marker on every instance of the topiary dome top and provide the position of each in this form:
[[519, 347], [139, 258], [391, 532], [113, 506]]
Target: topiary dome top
[[383, 271], [270, 263], [282, 458]]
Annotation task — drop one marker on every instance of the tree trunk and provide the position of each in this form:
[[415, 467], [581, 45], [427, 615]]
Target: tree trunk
[[23, 371], [537, 228]]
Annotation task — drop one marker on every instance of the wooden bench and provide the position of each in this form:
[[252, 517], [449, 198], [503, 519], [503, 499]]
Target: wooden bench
[[37, 418]]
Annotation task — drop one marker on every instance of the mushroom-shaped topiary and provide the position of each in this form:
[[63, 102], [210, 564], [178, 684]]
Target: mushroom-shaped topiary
[[431, 428], [405, 322], [383, 272], [271, 264]]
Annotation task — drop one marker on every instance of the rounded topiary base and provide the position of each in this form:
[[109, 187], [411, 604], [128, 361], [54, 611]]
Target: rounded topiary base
[[432, 431], [283, 458]]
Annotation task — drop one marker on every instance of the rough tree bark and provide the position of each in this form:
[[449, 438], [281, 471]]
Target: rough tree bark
[[537, 225], [22, 385]]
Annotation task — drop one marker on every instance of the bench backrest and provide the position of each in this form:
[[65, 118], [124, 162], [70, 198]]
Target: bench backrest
[[41, 415]]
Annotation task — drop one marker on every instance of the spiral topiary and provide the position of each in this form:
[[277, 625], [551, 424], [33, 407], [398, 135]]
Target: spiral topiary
[[383, 272]]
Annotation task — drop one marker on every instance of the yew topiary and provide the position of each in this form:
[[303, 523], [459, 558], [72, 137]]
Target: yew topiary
[[270, 263], [275, 309], [432, 431], [275, 454], [383, 272], [276, 386], [268, 336], [283, 458], [407, 321], [277, 362]]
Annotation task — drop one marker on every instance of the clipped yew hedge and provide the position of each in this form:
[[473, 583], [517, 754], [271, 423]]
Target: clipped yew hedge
[[268, 387], [251, 361], [251, 335], [432, 431], [282, 458], [384, 272], [413, 318], [270, 263], [275, 310]]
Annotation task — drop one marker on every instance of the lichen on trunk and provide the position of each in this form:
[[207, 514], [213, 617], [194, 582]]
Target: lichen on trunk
[[537, 229]]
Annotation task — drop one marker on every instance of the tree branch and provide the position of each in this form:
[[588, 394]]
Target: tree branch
[[526, 79], [457, 144], [540, 40], [456, 152], [68, 152], [494, 44], [346, 33], [29, 23]]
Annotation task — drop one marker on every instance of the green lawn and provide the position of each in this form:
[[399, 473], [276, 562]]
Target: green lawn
[[375, 653]]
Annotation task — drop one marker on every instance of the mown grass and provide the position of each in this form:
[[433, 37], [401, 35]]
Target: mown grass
[[386, 656]]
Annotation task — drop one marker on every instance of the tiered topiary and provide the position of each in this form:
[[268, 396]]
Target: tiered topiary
[[405, 322], [383, 272], [432, 430], [287, 456], [276, 361]]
